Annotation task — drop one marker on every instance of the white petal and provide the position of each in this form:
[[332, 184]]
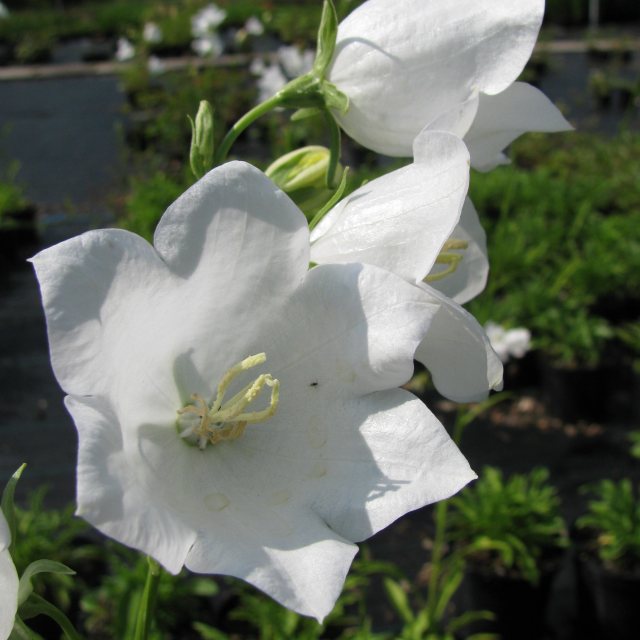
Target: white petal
[[400, 220], [118, 311], [470, 276], [458, 354], [403, 63], [400, 459], [503, 117], [304, 571], [117, 491], [8, 582]]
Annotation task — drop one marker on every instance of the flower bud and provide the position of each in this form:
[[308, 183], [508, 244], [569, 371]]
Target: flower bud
[[302, 175], [201, 154]]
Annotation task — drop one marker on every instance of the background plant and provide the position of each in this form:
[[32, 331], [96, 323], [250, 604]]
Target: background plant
[[510, 526], [613, 517]]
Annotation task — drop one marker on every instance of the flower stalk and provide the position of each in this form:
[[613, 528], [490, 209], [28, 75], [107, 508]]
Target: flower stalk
[[148, 600]]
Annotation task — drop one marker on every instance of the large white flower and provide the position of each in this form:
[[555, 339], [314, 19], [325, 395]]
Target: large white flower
[[135, 330], [407, 64], [403, 222], [8, 582]]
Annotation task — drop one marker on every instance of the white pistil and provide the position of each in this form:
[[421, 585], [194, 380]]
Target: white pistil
[[227, 420]]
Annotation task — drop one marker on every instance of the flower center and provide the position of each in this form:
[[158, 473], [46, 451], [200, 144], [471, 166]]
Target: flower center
[[201, 424], [448, 258]]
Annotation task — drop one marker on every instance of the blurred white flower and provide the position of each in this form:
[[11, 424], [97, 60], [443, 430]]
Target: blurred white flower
[[451, 66], [4, 12], [508, 343], [210, 45], [272, 482], [152, 33], [125, 50], [254, 27], [402, 222], [207, 20], [156, 65], [8, 582]]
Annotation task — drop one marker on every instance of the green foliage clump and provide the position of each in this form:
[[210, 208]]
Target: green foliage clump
[[563, 241], [613, 517], [148, 200], [12, 200], [510, 527]]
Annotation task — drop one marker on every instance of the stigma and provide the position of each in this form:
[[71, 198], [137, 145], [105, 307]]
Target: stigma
[[201, 423]]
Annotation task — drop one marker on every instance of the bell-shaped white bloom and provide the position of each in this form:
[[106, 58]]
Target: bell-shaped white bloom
[[152, 33], [238, 413], [253, 26], [508, 343], [207, 20], [406, 221], [125, 50], [407, 64], [8, 582], [210, 45]]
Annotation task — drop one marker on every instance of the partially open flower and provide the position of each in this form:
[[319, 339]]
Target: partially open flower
[[409, 222], [408, 64], [8, 582], [238, 413]]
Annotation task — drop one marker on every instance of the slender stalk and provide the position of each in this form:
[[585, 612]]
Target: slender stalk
[[334, 149], [436, 558], [148, 601], [246, 120]]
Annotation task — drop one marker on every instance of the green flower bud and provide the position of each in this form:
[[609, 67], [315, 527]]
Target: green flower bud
[[302, 174], [201, 154]]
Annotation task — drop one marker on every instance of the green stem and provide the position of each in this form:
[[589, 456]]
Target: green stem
[[436, 559], [334, 149], [247, 119], [437, 552], [148, 601]]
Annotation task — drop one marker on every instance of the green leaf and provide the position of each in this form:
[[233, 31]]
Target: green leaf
[[208, 632], [8, 506], [308, 112], [25, 587], [334, 98], [327, 35], [399, 600], [36, 606]]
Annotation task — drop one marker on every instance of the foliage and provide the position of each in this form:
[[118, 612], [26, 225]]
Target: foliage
[[12, 200], [614, 518], [562, 227], [511, 525], [148, 200]]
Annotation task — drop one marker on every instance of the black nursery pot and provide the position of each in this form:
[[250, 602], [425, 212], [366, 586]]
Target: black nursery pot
[[573, 394], [519, 606], [608, 603], [18, 233]]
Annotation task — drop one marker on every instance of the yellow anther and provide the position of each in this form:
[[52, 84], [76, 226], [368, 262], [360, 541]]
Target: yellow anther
[[452, 260], [226, 420]]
